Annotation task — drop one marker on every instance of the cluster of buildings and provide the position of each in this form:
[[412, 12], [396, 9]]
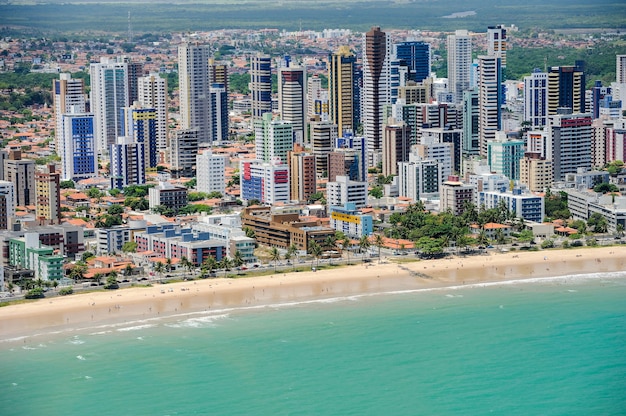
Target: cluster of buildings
[[443, 141]]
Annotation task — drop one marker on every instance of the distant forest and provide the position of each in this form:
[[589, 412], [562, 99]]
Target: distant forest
[[290, 15]]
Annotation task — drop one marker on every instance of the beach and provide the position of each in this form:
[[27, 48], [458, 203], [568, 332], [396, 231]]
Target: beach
[[92, 309]]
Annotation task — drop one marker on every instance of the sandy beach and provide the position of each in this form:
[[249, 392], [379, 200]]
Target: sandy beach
[[133, 304]]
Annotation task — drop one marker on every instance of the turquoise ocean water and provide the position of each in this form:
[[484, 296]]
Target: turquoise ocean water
[[547, 347]]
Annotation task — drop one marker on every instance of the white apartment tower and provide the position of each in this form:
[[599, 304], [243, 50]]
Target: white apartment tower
[[536, 99], [210, 172], [109, 94], [459, 63], [152, 90], [68, 97], [489, 93], [291, 99], [193, 76], [496, 43], [273, 138]]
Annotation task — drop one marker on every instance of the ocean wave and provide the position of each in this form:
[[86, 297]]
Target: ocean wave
[[76, 341], [135, 328], [200, 322], [80, 357]]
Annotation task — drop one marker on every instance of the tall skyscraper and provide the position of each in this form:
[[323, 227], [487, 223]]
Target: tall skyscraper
[[496, 43], [193, 75], [134, 72], [68, 96], [620, 69], [303, 176], [471, 141], [218, 108], [536, 98], [291, 99], [317, 99], [376, 90], [153, 94], [183, 153], [7, 204], [342, 103], [139, 123], [566, 88], [109, 94], [504, 155], [489, 99], [415, 55], [261, 85], [218, 73], [396, 146], [22, 173], [459, 63], [48, 206], [77, 147], [273, 138]]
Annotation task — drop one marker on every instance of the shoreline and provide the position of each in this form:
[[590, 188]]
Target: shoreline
[[119, 307]]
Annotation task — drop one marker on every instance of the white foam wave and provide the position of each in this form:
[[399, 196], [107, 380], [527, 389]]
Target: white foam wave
[[200, 322], [26, 347], [80, 357], [76, 341], [136, 327]]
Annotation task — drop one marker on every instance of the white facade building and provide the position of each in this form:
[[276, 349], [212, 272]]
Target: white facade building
[[344, 191], [459, 63], [210, 172], [193, 73], [152, 91]]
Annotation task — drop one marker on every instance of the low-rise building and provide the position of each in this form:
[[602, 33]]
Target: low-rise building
[[351, 221], [522, 204]]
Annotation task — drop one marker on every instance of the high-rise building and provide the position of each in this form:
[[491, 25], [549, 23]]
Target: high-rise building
[[454, 195], [459, 63], [303, 182], [415, 55], [128, 163], [133, 73], [317, 99], [48, 206], [396, 146], [569, 139], [139, 123], [342, 101], [266, 182], [261, 85], [418, 178], [218, 73], [504, 155], [7, 204], [615, 141], [536, 99], [273, 138], [620, 69], [323, 135], [68, 96], [376, 90], [77, 147], [446, 134], [535, 172], [153, 94], [442, 153], [109, 94], [489, 99], [183, 153], [193, 75], [210, 172], [496, 43], [471, 141], [22, 173], [566, 88], [218, 108], [291, 99]]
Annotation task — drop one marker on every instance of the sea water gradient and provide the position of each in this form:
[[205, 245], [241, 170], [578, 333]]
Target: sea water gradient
[[551, 346]]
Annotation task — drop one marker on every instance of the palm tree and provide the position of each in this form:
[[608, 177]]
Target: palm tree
[[274, 256], [185, 263], [39, 283], [209, 264], [330, 243], [238, 259], [293, 251], [159, 267], [364, 243], [315, 250], [226, 264], [11, 286], [620, 229], [500, 239], [55, 284], [128, 270], [345, 246], [379, 242], [482, 237], [168, 264]]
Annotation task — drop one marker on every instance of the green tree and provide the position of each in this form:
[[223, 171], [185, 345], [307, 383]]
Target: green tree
[[379, 242], [69, 184], [526, 236], [112, 281], [345, 246], [598, 223], [238, 259], [315, 250], [208, 265], [129, 247], [364, 243]]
